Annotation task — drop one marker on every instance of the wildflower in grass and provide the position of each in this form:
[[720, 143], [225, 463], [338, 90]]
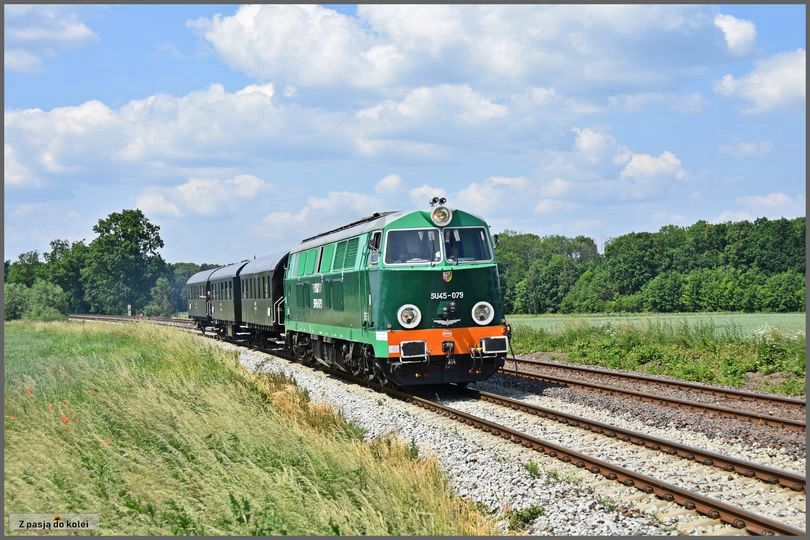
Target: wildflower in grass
[[29, 390], [50, 406], [12, 418], [65, 420]]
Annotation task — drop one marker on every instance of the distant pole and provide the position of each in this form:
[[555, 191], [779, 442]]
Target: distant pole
[[129, 310]]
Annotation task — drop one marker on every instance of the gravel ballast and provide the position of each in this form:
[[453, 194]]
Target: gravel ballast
[[637, 420], [699, 393], [776, 502], [493, 472], [791, 443]]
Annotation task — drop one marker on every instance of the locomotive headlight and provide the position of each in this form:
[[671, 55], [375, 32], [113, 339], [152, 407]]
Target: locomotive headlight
[[441, 216], [483, 313], [409, 316]]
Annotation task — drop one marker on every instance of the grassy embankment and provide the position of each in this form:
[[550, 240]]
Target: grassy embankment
[[161, 433], [767, 359]]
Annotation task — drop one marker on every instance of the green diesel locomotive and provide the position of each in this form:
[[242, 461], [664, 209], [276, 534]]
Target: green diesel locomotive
[[399, 297]]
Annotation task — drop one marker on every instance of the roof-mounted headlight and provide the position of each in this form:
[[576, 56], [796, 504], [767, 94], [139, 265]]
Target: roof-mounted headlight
[[441, 216]]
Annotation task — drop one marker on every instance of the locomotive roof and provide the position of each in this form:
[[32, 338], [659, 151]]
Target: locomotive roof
[[368, 224], [229, 271], [201, 276], [267, 263]]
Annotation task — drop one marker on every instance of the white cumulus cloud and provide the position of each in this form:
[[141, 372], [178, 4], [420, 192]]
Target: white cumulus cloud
[[554, 206], [32, 31], [383, 47], [744, 149], [493, 194], [421, 196], [204, 196], [320, 214], [770, 205], [777, 82], [740, 34], [388, 184], [645, 166], [15, 173]]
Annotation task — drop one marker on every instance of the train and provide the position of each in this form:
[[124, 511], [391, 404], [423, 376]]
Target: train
[[401, 298]]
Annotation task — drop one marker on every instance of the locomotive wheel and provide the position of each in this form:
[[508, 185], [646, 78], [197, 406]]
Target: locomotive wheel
[[364, 366]]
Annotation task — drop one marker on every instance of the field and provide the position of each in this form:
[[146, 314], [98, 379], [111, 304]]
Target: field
[[162, 433], [747, 323], [759, 352]]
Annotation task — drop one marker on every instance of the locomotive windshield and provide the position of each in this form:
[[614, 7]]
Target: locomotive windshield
[[468, 244], [413, 246]]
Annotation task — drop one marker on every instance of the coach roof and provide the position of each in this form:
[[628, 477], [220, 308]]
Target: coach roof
[[225, 272], [267, 263], [200, 277]]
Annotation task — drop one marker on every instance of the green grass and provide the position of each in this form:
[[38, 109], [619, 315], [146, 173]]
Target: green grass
[[746, 323], [162, 433], [766, 359], [519, 519]]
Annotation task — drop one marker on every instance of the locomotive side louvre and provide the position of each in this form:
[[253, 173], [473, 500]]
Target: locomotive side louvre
[[326, 286]]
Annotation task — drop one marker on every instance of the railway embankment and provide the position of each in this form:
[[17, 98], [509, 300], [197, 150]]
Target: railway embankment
[[161, 432]]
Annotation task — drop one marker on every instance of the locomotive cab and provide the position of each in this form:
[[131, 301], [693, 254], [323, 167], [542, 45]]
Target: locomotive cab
[[439, 306]]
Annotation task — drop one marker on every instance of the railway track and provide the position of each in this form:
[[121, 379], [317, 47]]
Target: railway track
[[770, 475], [730, 514], [737, 517], [166, 321], [695, 389], [531, 369]]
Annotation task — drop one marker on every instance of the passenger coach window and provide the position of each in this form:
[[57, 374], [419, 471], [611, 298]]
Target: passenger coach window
[[413, 246], [466, 245]]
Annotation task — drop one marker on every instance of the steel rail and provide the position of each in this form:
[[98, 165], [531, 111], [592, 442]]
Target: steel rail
[[742, 395], [123, 318], [735, 516], [770, 475], [713, 410]]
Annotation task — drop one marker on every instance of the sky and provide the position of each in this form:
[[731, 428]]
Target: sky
[[241, 130]]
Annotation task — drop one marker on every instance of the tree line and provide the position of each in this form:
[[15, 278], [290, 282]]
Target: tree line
[[733, 266], [120, 267]]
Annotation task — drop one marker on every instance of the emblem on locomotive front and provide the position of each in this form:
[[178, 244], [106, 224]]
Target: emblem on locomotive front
[[447, 276]]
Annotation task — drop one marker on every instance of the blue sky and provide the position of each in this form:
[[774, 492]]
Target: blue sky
[[242, 129]]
